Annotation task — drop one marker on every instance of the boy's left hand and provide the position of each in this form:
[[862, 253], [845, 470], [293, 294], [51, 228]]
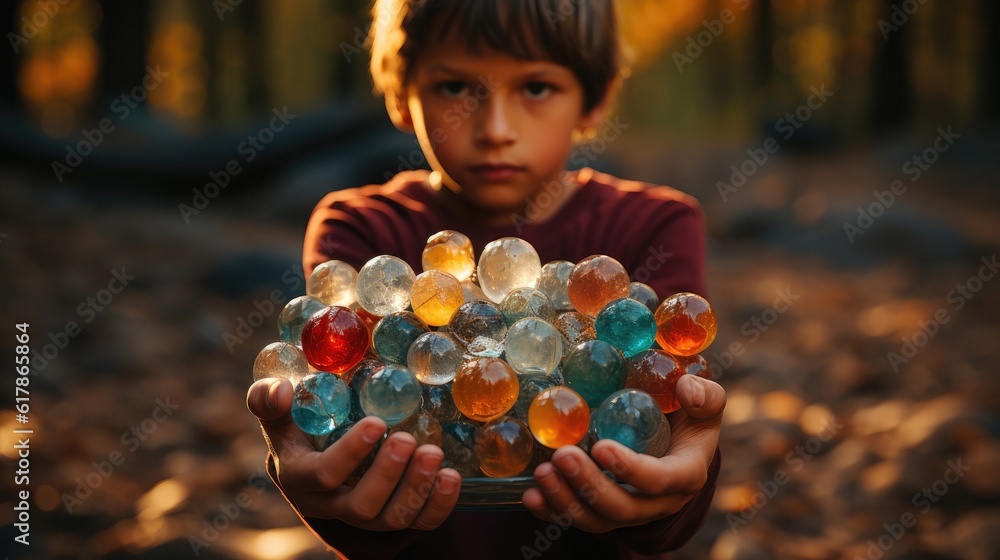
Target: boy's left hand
[[573, 485]]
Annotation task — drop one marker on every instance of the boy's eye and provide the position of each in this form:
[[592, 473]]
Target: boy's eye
[[537, 90], [453, 89]]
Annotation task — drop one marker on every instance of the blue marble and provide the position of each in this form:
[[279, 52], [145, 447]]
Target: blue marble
[[630, 416], [628, 324], [530, 386], [321, 403]]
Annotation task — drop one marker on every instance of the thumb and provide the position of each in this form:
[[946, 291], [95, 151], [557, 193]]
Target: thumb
[[270, 400], [701, 398]]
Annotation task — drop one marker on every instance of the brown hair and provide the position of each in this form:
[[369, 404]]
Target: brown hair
[[581, 35]]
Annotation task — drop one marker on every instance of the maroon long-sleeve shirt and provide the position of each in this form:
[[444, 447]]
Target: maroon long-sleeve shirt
[[656, 232]]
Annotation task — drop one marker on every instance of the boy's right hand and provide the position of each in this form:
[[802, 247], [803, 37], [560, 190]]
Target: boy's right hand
[[396, 492]]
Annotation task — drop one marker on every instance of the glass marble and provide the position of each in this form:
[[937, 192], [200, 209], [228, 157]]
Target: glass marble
[[434, 357], [294, 316], [451, 252], [526, 302], [627, 324], [552, 283], [359, 375], [629, 416], [391, 393], [425, 428], [472, 292], [435, 295], [695, 365], [558, 416], [685, 324], [660, 444], [321, 403], [280, 360], [485, 388], [504, 447], [477, 318], [575, 327], [384, 284], [333, 283], [483, 347], [595, 369], [656, 372], [458, 442], [369, 319], [437, 401], [530, 386], [507, 264], [595, 282], [644, 294], [557, 376], [534, 346], [394, 335], [335, 339]]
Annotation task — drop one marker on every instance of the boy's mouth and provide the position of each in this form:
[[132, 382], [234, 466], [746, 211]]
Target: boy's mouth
[[496, 172]]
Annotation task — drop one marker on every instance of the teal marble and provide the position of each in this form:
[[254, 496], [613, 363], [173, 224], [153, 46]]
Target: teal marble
[[595, 369], [628, 324], [395, 333], [391, 393], [629, 416], [321, 403], [294, 316]]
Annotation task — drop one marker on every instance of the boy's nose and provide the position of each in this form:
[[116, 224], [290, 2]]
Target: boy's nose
[[495, 126]]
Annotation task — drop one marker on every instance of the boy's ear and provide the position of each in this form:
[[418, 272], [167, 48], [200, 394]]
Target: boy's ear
[[399, 112]]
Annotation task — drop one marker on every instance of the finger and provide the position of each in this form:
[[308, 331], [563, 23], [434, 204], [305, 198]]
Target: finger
[[442, 502], [366, 501], [562, 504], [701, 398], [675, 473], [411, 495], [315, 471]]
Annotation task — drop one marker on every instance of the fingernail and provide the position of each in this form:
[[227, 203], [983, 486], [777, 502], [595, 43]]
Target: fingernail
[[549, 483], [697, 394], [569, 465], [272, 395], [427, 463], [371, 434], [445, 485], [397, 450]]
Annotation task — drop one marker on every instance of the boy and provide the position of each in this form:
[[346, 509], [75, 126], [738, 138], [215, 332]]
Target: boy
[[495, 92]]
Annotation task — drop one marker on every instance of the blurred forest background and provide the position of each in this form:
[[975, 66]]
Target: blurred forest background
[[858, 331]]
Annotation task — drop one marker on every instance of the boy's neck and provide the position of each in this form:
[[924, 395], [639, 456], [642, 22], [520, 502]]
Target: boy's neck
[[499, 217]]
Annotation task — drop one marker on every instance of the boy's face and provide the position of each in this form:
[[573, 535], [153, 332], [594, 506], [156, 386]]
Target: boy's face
[[496, 127]]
